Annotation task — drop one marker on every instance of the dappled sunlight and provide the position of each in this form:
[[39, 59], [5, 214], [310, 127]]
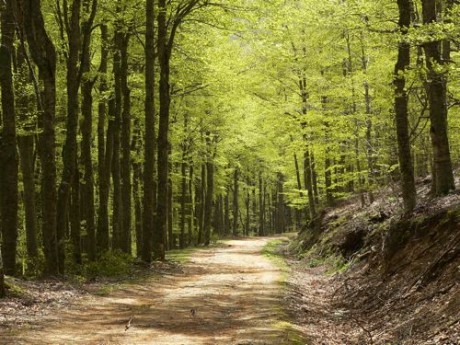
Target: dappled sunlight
[[227, 295]]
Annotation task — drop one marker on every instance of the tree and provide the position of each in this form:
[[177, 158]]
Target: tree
[[401, 108], [8, 151], [43, 54], [437, 97], [149, 139]]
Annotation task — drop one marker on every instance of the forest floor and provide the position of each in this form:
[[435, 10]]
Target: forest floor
[[230, 294]]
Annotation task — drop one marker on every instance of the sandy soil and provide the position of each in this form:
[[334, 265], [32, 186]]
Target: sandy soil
[[226, 295]]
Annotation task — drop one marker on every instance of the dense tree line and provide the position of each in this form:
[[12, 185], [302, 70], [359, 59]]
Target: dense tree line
[[141, 126]]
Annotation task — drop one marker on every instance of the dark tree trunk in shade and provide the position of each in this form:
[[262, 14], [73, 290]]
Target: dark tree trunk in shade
[[74, 217], [149, 137], [8, 151], [136, 147], [183, 200], [201, 193], [247, 223], [437, 99], [43, 54], [227, 213], [191, 208], [26, 149], [69, 151], [261, 206], [164, 54], [236, 195], [104, 157], [209, 200], [280, 210], [308, 181], [125, 163], [87, 192], [2, 277], [118, 211], [401, 110]]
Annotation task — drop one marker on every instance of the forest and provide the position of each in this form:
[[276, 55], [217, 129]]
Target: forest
[[131, 130]]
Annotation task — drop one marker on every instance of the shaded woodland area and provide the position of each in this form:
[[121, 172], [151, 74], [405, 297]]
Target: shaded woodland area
[[130, 128]]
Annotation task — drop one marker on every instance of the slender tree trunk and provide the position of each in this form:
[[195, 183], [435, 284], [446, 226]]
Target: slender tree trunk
[[227, 213], [209, 191], [118, 211], [136, 146], [308, 177], [202, 204], [236, 196], [125, 164], [261, 206], [26, 149], [401, 110], [9, 156], [437, 97], [44, 55], [69, 153], [183, 199], [248, 213], [75, 216], [104, 150], [150, 138], [280, 210], [191, 204], [87, 192]]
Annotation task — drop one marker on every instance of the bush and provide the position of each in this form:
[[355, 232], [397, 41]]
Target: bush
[[110, 264]]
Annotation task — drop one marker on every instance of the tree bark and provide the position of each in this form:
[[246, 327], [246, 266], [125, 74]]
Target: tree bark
[[26, 149], [9, 156], [125, 164], [104, 158], [437, 97], [69, 151], [44, 55], [236, 209], [150, 137], [209, 191], [401, 110], [261, 206]]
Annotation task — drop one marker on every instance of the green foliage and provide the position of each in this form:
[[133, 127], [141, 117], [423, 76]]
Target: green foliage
[[109, 264]]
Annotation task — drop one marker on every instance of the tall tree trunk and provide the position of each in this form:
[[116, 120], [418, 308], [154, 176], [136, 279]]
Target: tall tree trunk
[[280, 206], [437, 97], [44, 55], [183, 199], [308, 177], [209, 191], [261, 206], [125, 164], [201, 203], [86, 157], [9, 156], [150, 138], [69, 152], [227, 213], [236, 196], [118, 211], [164, 53], [191, 204], [401, 110], [26, 149], [248, 213], [136, 146], [75, 216], [104, 157]]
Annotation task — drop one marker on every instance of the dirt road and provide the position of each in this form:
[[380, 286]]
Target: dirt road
[[226, 295]]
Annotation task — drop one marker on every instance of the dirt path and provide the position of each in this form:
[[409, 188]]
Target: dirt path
[[228, 295]]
